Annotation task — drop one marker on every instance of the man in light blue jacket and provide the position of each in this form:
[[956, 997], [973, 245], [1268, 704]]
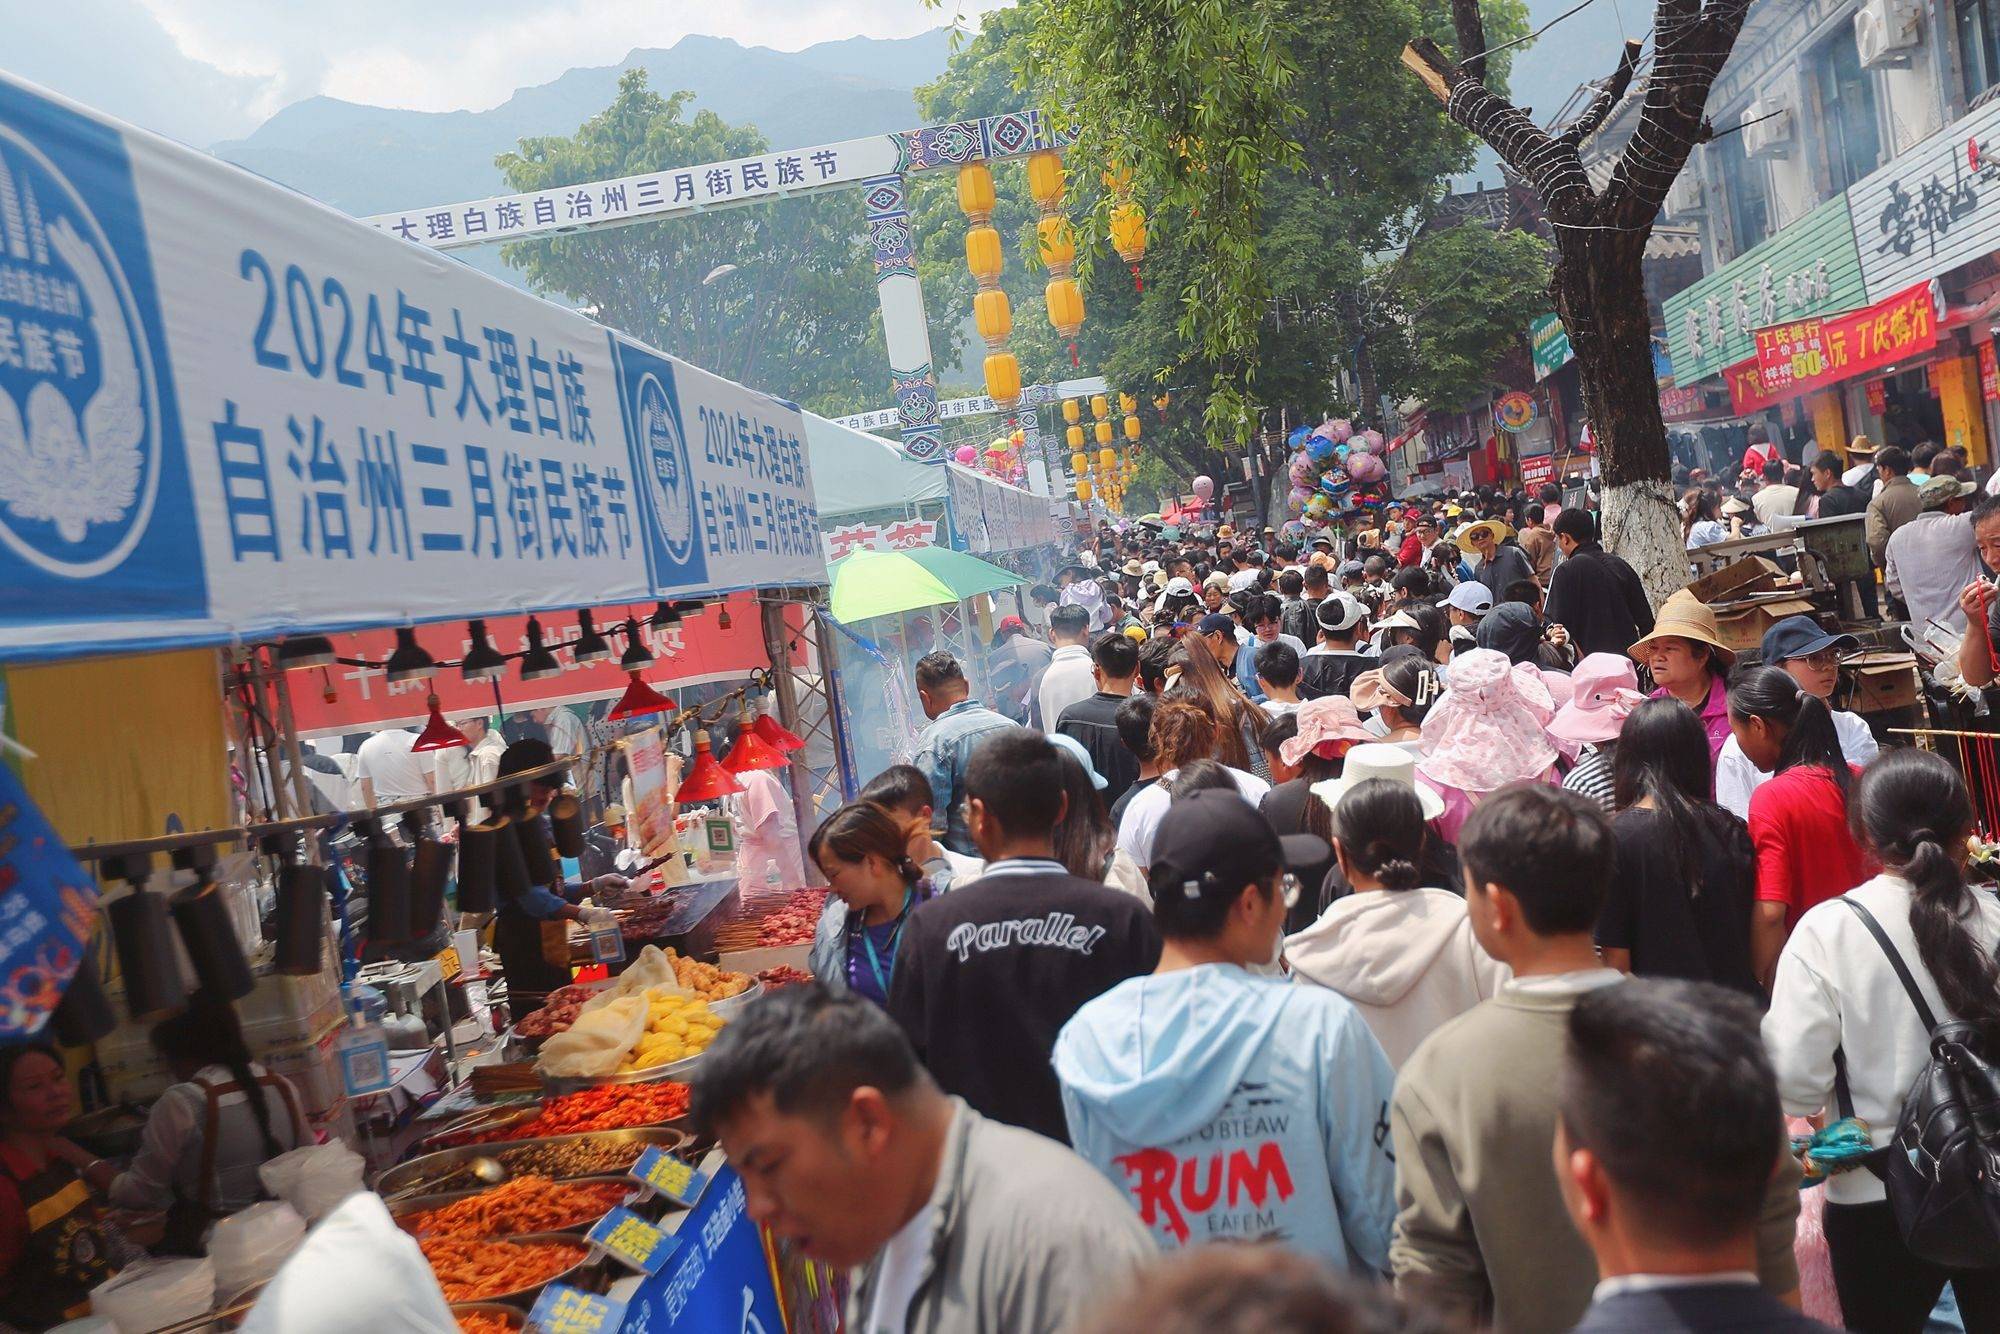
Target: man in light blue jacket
[[1228, 1106]]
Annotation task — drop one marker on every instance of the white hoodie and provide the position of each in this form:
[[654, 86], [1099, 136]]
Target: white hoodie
[[1406, 958]]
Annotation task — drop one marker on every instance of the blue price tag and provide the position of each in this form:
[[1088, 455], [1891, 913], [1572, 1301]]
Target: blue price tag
[[661, 1171], [562, 1309], [625, 1236]]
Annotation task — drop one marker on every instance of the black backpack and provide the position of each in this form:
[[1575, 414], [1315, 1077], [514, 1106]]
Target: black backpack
[[1942, 1170]]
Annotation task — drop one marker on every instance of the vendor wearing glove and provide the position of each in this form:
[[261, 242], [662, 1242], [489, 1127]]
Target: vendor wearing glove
[[530, 930], [208, 1133], [54, 1246]]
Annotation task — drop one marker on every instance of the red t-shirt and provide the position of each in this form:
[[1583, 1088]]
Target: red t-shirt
[[1805, 854]]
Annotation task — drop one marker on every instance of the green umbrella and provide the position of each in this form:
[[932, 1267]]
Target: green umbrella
[[882, 583]]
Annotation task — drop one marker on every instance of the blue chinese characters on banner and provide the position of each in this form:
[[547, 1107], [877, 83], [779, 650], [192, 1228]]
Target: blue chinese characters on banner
[[718, 1281], [47, 907], [93, 483]]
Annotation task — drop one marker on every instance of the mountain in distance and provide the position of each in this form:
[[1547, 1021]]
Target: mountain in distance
[[367, 159]]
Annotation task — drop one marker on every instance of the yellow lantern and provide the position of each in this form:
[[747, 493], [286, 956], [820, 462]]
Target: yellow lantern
[[993, 316], [975, 191], [1083, 488], [1003, 378], [1072, 411], [1104, 433], [1107, 459], [1058, 242], [1098, 407], [1045, 178], [1079, 464], [983, 254], [1118, 178], [1127, 404], [1065, 305], [1131, 426], [1075, 435], [1128, 232], [1162, 401]]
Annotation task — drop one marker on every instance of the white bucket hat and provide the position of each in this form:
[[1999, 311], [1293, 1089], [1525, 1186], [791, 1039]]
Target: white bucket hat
[[1378, 759]]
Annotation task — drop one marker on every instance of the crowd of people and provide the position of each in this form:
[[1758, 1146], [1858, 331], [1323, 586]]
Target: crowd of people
[[1415, 901]]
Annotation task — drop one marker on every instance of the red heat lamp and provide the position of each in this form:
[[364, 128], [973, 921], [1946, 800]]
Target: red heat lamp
[[439, 734], [639, 699], [774, 733], [707, 780], [751, 751]]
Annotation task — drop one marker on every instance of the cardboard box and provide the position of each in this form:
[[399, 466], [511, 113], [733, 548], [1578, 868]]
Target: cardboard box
[[1743, 629], [1738, 579], [1883, 681]]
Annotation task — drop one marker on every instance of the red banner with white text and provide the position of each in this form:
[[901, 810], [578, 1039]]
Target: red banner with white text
[[1804, 355]]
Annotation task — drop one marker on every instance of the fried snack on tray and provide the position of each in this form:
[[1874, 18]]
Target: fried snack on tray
[[484, 1322], [472, 1271], [525, 1204], [608, 1107], [706, 980]]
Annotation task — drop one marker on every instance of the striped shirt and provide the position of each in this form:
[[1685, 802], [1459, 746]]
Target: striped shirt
[[1592, 776]]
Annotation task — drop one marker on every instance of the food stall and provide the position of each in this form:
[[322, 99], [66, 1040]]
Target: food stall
[[266, 465]]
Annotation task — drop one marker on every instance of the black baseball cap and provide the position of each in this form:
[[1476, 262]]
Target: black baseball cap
[[1217, 623], [1213, 841], [1801, 637]]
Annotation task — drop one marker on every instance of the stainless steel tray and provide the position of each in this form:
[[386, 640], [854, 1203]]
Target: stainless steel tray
[[414, 1176], [672, 1070], [416, 1204]]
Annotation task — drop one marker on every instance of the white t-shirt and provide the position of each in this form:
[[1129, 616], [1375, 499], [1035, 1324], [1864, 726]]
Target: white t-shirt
[[1243, 578], [901, 1270], [1145, 811], [1736, 778], [397, 772]]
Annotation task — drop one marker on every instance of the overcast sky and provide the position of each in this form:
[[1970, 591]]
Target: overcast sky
[[207, 69]]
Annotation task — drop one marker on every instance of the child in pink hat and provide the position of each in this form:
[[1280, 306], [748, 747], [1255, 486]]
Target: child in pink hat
[[1485, 733], [1605, 691]]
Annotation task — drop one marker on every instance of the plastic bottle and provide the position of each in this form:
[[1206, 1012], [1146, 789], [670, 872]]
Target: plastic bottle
[[774, 882]]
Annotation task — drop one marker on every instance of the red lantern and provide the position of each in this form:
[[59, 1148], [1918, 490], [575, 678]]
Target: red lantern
[[638, 699], [439, 734], [776, 733]]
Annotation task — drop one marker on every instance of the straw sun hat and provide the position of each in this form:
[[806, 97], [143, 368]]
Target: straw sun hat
[[1685, 616]]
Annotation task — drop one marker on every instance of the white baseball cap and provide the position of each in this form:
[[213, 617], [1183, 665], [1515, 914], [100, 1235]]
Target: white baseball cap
[[1471, 597], [1179, 587], [1337, 611]]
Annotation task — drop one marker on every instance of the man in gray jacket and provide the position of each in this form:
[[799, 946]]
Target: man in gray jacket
[[846, 1146]]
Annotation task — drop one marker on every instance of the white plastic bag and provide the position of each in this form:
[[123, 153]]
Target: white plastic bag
[[651, 968], [315, 1179], [248, 1247], [155, 1293], [356, 1271], [597, 1042]]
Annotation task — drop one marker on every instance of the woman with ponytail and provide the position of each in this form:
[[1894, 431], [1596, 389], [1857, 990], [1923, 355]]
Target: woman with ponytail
[[863, 850], [1798, 819], [1837, 998], [1403, 953]]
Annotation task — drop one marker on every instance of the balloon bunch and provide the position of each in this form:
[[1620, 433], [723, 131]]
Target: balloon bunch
[[1332, 466], [1000, 458]]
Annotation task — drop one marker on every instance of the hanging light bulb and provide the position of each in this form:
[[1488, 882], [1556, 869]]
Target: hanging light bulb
[[776, 733], [590, 646], [637, 656], [751, 751], [538, 664], [722, 621], [707, 780], [409, 662], [305, 651], [482, 661], [438, 734], [664, 615]]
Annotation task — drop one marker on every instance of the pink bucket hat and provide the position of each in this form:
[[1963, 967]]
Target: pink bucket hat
[[1325, 722], [1607, 690], [1486, 733]]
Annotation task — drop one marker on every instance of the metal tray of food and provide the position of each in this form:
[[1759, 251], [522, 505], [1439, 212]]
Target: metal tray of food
[[415, 1204], [426, 1175], [522, 1295], [729, 1004], [514, 1316], [672, 1070]]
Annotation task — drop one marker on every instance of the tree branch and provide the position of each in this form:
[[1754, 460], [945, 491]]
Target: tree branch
[[1549, 165], [1693, 45], [1606, 100], [1470, 25]]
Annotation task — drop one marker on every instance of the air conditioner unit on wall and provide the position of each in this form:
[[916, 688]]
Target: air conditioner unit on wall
[[1767, 129], [1885, 31], [1685, 198]]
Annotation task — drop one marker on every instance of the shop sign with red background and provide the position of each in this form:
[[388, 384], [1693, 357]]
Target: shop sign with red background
[[697, 650], [1809, 354], [1746, 388], [1878, 396], [1989, 371], [1538, 469]]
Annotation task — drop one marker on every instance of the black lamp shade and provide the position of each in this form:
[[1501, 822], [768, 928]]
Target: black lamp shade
[[510, 868], [85, 1014], [299, 921], [664, 615], [409, 661], [475, 867], [566, 822], [636, 655], [537, 663], [430, 868], [306, 651], [144, 938], [388, 891], [590, 646], [219, 966], [536, 852], [481, 662]]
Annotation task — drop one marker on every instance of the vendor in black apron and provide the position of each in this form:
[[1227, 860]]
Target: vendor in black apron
[[54, 1246], [207, 1135], [531, 930]]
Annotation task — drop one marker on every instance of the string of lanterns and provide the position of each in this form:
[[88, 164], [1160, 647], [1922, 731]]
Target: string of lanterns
[[1046, 185], [1128, 223], [992, 315], [1098, 466]]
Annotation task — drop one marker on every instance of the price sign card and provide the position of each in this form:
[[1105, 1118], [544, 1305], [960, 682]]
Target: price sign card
[[661, 1171], [628, 1238], [562, 1309], [607, 945]]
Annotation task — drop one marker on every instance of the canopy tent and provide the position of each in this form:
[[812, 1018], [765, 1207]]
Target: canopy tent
[[858, 475], [882, 583]]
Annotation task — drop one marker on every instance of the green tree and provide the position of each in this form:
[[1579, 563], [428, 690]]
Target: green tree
[[797, 314], [1458, 298]]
